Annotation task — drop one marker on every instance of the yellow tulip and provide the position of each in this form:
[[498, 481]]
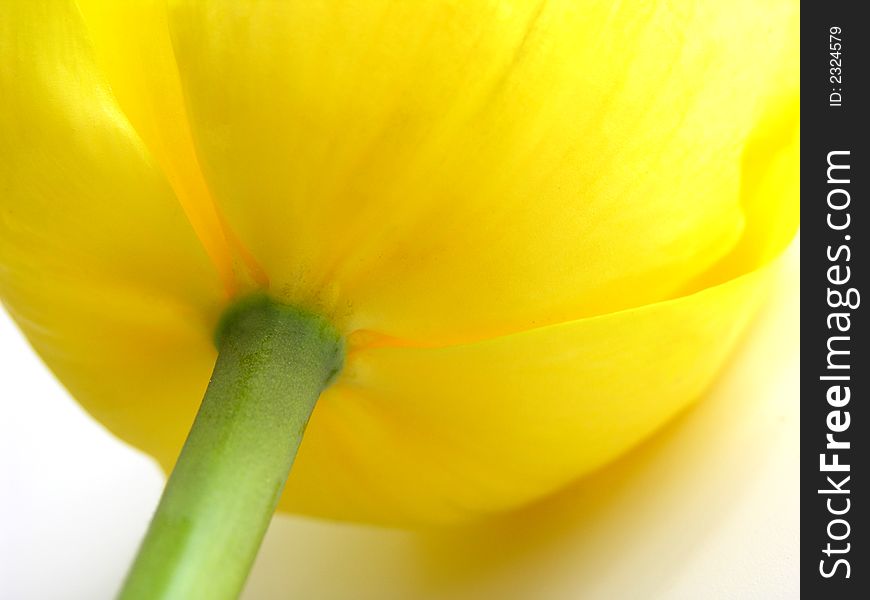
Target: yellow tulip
[[539, 227]]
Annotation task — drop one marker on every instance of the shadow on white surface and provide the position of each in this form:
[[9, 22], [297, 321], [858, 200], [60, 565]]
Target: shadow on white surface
[[708, 508]]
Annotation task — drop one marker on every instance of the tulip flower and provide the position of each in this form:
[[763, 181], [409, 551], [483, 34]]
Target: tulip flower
[[498, 243]]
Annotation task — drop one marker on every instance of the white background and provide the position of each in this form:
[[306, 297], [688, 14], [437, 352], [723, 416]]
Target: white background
[[707, 509]]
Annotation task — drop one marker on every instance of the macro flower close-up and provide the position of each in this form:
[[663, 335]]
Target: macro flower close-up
[[508, 241]]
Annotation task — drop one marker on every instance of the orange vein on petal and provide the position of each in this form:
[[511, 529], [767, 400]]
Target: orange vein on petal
[[253, 268], [133, 49]]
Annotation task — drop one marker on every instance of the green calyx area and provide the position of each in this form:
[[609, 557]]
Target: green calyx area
[[273, 362]]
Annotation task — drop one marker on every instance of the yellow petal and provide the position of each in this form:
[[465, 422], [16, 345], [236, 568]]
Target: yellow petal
[[134, 52], [445, 434], [432, 174], [98, 263], [420, 435], [448, 171]]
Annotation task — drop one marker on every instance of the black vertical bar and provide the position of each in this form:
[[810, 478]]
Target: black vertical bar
[[835, 364]]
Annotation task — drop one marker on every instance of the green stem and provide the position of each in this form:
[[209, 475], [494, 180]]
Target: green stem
[[272, 365]]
